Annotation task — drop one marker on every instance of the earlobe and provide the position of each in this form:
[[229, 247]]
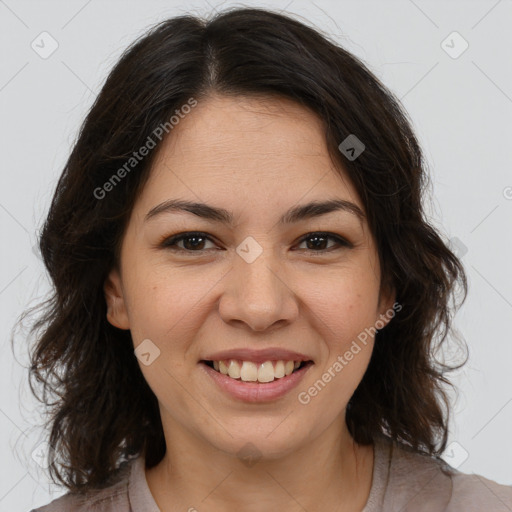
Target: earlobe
[[114, 297]]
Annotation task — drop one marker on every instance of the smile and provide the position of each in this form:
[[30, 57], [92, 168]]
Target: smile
[[254, 390], [248, 371]]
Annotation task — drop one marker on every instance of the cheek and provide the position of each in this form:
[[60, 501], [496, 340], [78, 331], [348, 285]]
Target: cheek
[[343, 305], [167, 307], [344, 314]]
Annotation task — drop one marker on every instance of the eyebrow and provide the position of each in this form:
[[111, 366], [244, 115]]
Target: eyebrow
[[294, 214]]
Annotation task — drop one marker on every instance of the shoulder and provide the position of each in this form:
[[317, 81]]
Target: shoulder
[[417, 482], [111, 498], [474, 492]]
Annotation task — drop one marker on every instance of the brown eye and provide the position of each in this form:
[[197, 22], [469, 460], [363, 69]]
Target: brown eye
[[192, 242], [196, 241], [318, 242]]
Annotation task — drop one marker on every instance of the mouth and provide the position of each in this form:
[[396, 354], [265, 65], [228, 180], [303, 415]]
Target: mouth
[[256, 373], [262, 382]]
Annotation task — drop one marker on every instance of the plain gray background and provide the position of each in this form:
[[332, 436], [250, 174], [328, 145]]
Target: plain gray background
[[460, 106]]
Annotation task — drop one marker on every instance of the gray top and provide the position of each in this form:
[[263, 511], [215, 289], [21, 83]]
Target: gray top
[[403, 481]]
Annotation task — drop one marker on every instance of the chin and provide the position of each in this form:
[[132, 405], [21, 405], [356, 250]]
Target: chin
[[250, 445]]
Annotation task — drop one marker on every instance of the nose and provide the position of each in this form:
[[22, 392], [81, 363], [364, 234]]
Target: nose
[[257, 296]]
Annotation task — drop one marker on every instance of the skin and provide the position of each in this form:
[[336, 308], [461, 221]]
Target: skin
[[256, 157]]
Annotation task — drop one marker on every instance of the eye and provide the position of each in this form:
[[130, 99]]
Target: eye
[[319, 240], [194, 241]]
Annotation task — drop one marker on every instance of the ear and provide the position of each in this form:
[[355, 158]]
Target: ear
[[114, 296], [388, 307]]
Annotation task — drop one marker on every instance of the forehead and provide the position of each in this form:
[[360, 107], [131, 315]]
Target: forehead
[[266, 147], [232, 126]]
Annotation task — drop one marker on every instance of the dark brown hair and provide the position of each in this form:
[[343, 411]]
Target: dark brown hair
[[84, 369]]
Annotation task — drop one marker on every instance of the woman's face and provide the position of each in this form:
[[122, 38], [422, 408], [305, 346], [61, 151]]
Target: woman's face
[[256, 285]]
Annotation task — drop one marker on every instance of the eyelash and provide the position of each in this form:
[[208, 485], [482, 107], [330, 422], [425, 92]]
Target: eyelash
[[170, 242]]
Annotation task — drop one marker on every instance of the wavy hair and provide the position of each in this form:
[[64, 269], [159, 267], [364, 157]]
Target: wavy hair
[[84, 371]]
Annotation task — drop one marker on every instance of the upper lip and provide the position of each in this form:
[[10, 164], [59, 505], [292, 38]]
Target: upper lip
[[257, 356]]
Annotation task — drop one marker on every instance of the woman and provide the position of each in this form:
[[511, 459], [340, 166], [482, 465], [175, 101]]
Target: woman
[[247, 293]]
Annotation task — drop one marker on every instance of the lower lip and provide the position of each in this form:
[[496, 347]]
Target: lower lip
[[256, 391]]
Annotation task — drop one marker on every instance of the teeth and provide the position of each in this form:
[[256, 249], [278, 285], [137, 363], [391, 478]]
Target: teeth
[[223, 368], [279, 370], [234, 369], [248, 372], [252, 372], [266, 372]]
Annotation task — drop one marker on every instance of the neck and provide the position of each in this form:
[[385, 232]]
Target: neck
[[331, 472]]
